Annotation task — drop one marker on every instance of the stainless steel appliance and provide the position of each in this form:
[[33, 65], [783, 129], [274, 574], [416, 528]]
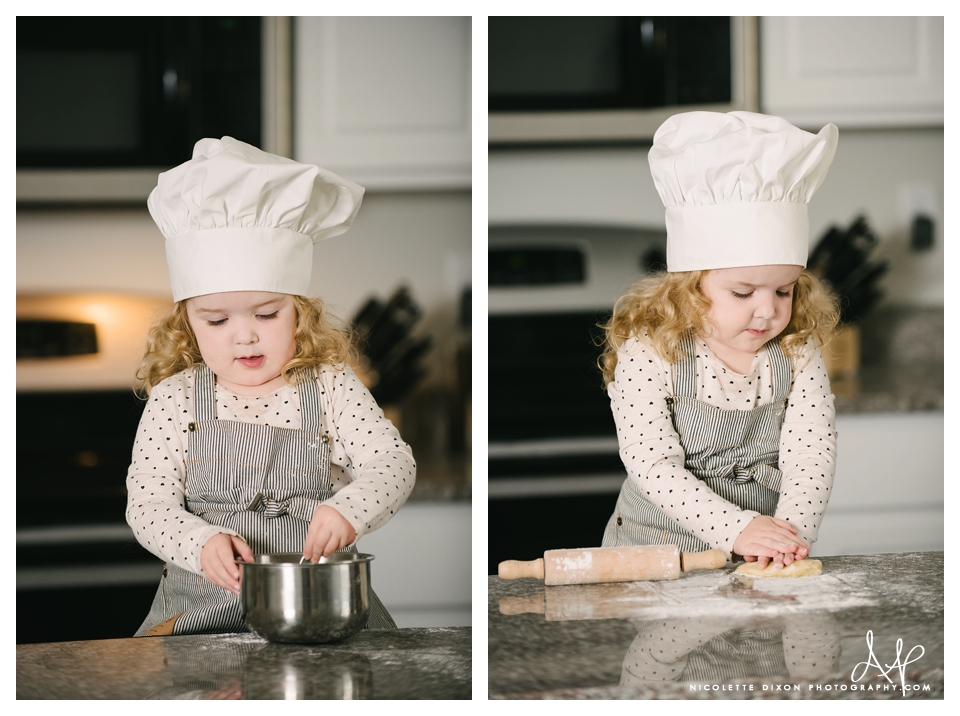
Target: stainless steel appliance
[[80, 572], [599, 78], [554, 468], [106, 103]]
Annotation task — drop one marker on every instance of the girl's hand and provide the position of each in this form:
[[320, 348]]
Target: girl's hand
[[217, 560], [328, 532], [767, 538]]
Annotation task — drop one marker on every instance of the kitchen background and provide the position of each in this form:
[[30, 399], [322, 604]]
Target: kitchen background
[[383, 101], [574, 218]]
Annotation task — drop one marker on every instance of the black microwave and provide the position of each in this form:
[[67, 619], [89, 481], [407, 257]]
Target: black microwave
[[613, 78], [113, 96]]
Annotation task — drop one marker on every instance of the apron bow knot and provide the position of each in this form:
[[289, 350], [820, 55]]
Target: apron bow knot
[[735, 472], [268, 506], [274, 508]]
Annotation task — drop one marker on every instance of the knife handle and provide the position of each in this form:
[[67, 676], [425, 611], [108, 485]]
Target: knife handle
[[515, 569]]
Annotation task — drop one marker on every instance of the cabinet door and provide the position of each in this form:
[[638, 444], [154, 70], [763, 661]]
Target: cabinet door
[[422, 565], [385, 101], [888, 491], [853, 71]]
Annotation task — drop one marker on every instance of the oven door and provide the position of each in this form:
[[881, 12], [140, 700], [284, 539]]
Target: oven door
[[553, 458], [554, 467], [80, 572]]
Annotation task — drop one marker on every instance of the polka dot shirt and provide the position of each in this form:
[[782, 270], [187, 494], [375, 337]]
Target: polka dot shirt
[[654, 459], [372, 469]]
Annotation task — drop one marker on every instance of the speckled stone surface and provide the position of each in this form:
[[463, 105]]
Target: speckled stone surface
[[374, 664], [716, 635], [901, 367], [442, 478]]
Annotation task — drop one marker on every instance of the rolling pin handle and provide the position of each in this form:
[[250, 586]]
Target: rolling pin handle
[[515, 569], [710, 559], [532, 604]]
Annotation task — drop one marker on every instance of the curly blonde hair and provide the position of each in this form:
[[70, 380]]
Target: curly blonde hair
[[671, 305], [172, 345]]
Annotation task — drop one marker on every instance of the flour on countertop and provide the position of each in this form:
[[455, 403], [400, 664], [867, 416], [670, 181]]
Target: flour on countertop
[[710, 594]]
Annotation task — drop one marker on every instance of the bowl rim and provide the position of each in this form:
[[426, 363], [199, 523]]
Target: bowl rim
[[339, 559]]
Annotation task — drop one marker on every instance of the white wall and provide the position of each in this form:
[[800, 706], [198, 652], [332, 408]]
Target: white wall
[[874, 173]]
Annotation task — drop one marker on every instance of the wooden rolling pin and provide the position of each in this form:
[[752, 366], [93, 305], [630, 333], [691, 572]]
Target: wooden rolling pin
[[611, 564]]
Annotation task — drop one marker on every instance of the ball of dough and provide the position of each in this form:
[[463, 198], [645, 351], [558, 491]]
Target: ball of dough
[[799, 568]]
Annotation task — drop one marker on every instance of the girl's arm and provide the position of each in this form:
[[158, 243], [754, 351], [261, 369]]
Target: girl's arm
[[808, 446], [651, 451], [380, 462], [155, 489]]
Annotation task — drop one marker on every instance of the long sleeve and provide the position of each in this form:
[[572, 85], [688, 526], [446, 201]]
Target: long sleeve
[[156, 503], [808, 446], [376, 468], [651, 451]]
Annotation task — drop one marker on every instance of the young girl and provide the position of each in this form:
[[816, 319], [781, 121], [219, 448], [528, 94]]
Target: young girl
[[723, 408], [257, 437]]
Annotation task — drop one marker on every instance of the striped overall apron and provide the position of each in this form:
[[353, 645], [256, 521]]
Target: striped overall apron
[[246, 477], [733, 452]]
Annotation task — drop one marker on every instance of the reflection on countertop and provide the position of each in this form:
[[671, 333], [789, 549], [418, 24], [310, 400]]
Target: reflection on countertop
[[901, 368], [714, 634], [374, 664]]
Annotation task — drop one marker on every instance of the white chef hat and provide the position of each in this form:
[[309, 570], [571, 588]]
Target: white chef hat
[[236, 218], [736, 188]]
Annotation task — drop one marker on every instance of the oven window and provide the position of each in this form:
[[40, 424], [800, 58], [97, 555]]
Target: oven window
[[544, 380]]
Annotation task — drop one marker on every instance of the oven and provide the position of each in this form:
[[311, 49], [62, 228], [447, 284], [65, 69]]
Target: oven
[[553, 462], [80, 572]]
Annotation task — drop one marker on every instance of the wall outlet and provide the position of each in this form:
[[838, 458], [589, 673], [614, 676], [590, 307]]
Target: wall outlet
[[917, 213]]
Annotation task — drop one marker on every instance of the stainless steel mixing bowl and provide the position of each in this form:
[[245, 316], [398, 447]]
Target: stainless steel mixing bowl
[[285, 601]]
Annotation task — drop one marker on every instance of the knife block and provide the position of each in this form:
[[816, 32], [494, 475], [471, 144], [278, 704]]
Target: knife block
[[842, 358]]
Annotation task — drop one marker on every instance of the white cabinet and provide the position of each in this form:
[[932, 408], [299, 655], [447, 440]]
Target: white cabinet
[[385, 101], [853, 71], [888, 491], [421, 570]]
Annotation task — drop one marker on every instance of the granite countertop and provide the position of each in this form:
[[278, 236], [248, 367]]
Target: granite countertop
[[442, 478], [901, 365], [374, 664], [888, 388], [716, 635]]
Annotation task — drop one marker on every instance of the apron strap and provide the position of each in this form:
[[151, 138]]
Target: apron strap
[[309, 401], [685, 369], [782, 373], [206, 397], [204, 393]]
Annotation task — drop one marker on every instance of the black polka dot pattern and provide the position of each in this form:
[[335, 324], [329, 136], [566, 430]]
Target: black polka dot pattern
[[654, 458], [372, 468]]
